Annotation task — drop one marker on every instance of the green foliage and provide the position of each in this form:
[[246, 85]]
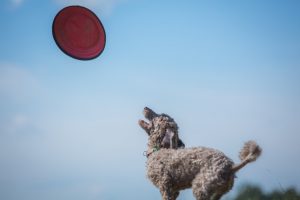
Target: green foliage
[[252, 192]]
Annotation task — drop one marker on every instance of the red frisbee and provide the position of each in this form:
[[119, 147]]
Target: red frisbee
[[79, 33]]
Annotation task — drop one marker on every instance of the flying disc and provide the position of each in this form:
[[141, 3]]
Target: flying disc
[[79, 33]]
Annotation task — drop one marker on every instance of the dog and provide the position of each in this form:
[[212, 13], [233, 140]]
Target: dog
[[171, 167]]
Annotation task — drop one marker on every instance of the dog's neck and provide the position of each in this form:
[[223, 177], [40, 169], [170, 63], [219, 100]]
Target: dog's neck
[[150, 151]]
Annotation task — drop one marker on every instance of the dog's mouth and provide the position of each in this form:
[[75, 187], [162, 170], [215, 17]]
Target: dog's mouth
[[149, 115], [144, 124]]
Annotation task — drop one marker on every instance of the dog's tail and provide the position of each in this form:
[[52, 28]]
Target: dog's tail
[[249, 153]]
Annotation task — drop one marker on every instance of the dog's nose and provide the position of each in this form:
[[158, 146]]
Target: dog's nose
[[146, 108]]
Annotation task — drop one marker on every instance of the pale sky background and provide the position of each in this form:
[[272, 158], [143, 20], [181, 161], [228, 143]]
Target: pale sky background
[[227, 71]]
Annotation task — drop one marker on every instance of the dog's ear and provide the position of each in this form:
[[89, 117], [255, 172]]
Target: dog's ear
[[172, 125], [181, 145], [167, 141], [146, 126]]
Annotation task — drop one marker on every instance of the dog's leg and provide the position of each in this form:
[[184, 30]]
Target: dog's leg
[[208, 186], [217, 196], [222, 189], [176, 194], [202, 186], [166, 195], [169, 194]]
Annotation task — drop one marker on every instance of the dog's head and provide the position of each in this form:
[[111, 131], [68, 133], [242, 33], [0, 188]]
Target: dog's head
[[161, 129]]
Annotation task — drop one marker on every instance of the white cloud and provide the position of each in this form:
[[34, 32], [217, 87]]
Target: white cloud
[[105, 6], [20, 120], [17, 83], [17, 123], [19, 89], [16, 3]]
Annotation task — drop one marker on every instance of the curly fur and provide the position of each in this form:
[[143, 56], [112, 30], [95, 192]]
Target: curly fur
[[207, 171]]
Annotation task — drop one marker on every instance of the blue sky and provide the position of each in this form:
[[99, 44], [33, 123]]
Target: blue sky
[[227, 71]]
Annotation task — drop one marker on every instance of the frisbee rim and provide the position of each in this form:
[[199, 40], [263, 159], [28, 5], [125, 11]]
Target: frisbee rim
[[79, 57]]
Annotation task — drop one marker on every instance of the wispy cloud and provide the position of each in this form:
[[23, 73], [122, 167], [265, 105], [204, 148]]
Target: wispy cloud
[[16, 3], [16, 82], [105, 6], [18, 123], [18, 87]]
